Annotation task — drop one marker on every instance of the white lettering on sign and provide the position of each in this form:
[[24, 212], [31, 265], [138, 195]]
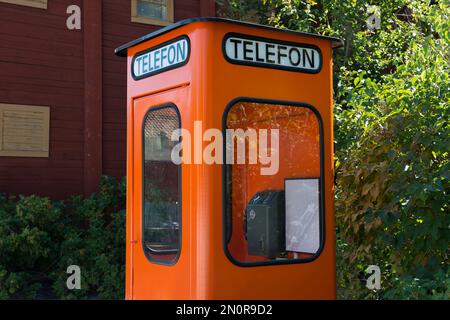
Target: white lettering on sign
[[161, 58], [273, 54]]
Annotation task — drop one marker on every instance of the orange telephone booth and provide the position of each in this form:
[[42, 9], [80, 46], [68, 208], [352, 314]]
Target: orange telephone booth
[[229, 163]]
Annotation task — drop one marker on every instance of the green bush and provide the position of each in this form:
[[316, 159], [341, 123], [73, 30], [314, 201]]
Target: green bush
[[392, 199], [29, 236], [39, 239]]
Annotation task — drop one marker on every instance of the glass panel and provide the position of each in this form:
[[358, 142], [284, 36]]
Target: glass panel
[[152, 9], [273, 215], [161, 221]]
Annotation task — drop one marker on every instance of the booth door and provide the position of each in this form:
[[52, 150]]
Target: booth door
[[159, 269]]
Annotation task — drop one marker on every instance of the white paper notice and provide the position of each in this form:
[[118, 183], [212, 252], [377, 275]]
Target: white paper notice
[[302, 215]]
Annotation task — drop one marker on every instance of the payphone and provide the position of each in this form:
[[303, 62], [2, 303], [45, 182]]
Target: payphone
[[229, 163], [265, 224]]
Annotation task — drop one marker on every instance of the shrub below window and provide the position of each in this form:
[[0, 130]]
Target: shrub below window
[[40, 238]]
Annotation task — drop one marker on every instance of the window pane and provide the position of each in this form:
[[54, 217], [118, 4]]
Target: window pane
[[153, 9], [161, 186], [274, 216]]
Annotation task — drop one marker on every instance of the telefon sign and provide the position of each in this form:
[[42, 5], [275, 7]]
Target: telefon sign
[[167, 56], [268, 53]]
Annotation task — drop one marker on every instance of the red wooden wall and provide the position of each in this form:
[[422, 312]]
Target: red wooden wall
[[77, 74]]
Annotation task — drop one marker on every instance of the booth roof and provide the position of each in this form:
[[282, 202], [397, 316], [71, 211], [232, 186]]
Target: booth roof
[[122, 50]]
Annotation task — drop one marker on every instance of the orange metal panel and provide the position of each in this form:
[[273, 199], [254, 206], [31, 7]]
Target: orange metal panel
[[202, 89]]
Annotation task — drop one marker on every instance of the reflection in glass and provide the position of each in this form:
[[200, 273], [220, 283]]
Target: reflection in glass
[[259, 228], [153, 9], [161, 220]]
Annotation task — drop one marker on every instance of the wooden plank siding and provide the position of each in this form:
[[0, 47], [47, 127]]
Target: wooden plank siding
[[117, 30], [43, 63], [93, 88]]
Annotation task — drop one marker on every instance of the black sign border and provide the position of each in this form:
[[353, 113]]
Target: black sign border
[[174, 66], [273, 41]]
